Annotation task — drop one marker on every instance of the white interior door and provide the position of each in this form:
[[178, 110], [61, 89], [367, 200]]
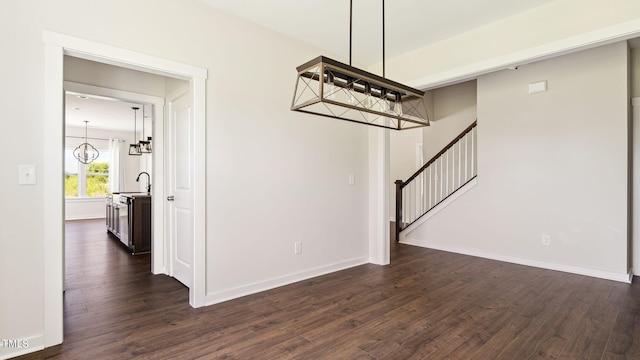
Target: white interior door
[[180, 190]]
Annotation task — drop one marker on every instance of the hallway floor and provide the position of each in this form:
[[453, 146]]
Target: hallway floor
[[426, 304]]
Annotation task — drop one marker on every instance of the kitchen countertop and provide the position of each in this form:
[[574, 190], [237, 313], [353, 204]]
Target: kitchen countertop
[[134, 194]]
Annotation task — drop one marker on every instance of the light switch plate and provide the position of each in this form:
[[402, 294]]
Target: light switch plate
[[26, 174]]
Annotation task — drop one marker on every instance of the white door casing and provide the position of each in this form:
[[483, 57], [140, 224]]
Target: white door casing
[[57, 45], [635, 204], [180, 188]]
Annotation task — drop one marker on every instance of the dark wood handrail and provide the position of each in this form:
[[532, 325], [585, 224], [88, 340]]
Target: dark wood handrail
[[444, 150]]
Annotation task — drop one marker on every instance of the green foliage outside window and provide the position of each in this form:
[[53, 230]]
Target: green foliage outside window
[[97, 181], [71, 185]]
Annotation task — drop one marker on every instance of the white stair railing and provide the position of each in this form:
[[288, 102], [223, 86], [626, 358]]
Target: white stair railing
[[449, 170]]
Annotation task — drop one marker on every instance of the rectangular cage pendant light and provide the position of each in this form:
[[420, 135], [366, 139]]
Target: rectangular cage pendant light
[[330, 88]]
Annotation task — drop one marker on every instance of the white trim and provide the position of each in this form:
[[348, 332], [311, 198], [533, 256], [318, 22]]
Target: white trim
[[249, 289], [635, 196], [197, 297], [94, 51], [466, 187], [608, 35], [53, 195], [56, 46], [85, 199], [85, 217], [601, 274]]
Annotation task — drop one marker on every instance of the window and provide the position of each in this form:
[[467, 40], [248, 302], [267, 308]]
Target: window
[[86, 180]]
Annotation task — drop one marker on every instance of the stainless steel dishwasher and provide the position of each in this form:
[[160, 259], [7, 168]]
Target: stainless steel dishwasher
[[125, 202]]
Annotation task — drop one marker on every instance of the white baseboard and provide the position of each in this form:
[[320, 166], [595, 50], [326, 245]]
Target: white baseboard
[[10, 348], [230, 294], [601, 274], [84, 217]]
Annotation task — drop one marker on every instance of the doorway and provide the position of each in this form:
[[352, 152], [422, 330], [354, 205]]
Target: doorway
[[56, 46], [112, 112]]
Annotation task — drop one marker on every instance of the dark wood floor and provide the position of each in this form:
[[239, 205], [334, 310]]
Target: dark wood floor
[[426, 304]]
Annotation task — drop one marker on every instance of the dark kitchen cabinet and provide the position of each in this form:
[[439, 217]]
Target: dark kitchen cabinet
[[140, 224], [129, 219]]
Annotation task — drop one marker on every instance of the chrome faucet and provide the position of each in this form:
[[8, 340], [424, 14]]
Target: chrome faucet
[[148, 180]]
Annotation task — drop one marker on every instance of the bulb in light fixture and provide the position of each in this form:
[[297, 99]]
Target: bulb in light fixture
[[352, 99], [330, 87], [368, 99], [384, 101], [397, 107]]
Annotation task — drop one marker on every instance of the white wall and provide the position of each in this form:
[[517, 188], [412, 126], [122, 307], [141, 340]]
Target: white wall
[[549, 29], [403, 160], [273, 176], [549, 163], [635, 71], [454, 109]]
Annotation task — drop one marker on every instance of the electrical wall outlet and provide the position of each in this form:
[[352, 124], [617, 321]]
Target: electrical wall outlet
[[297, 247], [546, 240]]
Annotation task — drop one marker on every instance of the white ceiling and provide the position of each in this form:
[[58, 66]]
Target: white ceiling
[[104, 113], [410, 24]]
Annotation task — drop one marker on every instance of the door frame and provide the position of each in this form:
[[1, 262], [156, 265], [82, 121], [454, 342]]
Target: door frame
[[56, 46], [634, 219]]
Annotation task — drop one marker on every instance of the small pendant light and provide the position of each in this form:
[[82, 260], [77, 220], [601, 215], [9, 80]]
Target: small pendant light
[[134, 149], [144, 145], [85, 152]]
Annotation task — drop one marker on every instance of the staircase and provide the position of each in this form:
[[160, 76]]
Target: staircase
[[447, 172]]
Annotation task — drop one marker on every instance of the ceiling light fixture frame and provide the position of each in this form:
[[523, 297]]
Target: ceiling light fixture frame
[[333, 89]]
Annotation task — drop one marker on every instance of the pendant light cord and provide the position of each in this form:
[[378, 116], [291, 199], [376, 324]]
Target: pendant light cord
[[350, 28], [351, 35], [383, 55]]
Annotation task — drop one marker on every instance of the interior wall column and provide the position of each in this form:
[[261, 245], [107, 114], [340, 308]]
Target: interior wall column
[[379, 159]]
